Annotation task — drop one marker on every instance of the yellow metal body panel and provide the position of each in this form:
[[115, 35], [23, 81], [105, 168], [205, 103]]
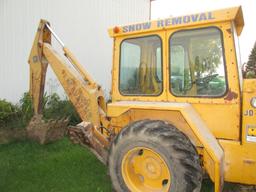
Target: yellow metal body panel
[[240, 156], [214, 125], [223, 108], [116, 95], [240, 162], [237, 156], [249, 113], [217, 112], [199, 132], [231, 14]]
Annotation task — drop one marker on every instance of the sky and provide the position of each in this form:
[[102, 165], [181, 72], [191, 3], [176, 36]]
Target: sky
[[172, 8]]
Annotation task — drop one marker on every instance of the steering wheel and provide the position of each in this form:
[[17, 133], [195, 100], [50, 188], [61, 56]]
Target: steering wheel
[[201, 82], [205, 80]]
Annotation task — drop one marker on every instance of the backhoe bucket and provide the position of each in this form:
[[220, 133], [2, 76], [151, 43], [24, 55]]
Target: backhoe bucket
[[44, 131]]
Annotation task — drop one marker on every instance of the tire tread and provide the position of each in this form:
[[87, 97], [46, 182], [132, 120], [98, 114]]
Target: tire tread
[[173, 140]]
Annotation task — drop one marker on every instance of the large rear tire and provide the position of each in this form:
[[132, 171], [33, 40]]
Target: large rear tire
[[151, 155]]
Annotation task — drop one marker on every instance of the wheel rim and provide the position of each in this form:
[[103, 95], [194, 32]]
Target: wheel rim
[[145, 170]]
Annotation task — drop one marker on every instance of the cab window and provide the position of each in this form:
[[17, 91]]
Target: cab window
[[141, 66], [197, 66]]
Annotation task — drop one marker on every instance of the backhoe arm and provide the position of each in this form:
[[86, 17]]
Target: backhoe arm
[[86, 96]]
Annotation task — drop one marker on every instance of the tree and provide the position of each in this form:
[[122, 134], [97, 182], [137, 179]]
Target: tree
[[207, 55], [251, 64]]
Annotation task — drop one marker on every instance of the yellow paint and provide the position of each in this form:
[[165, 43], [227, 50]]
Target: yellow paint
[[83, 92], [231, 14], [37, 68], [197, 129], [219, 106], [240, 162], [212, 124], [251, 132], [249, 113], [143, 169], [222, 129]]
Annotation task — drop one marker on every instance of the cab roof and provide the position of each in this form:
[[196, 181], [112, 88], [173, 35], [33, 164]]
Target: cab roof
[[234, 14]]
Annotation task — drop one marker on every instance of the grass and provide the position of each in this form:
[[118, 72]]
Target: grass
[[61, 166], [58, 167]]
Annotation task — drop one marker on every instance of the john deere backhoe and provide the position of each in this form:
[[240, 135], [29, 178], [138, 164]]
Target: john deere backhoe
[[179, 106]]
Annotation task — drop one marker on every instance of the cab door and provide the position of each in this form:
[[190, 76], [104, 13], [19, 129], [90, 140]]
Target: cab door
[[138, 69], [202, 71]]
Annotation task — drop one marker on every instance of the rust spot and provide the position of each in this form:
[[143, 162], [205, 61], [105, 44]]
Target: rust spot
[[231, 95], [249, 161], [229, 30]]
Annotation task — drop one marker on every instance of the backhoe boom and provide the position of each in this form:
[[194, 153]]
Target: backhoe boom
[[82, 91]]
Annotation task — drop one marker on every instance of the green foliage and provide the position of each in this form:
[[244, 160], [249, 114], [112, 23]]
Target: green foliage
[[26, 108], [55, 108], [251, 64], [207, 54], [216, 87], [18, 116], [8, 112], [250, 75]]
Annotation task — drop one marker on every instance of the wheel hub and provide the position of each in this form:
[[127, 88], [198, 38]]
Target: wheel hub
[[145, 170], [151, 168]]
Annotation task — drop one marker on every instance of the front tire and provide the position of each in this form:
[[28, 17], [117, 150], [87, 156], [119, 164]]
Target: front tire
[[151, 155]]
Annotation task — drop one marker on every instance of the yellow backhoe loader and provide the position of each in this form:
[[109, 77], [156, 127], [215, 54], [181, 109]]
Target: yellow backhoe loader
[[179, 106]]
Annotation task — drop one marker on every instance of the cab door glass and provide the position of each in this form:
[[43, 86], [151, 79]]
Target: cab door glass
[[141, 66], [197, 63], [180, 71], [159, 64]]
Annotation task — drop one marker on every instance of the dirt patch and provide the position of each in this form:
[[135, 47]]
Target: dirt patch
[[46, 131], [38, 130], [245, 188], [11, 135]]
